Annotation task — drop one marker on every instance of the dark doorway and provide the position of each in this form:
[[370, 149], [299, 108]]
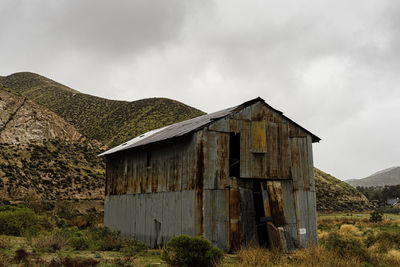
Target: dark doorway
[[260, 214], [234, 155]]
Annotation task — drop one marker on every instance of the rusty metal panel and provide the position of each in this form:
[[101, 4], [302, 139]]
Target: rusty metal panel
[[234, 219], [245, 155], [210, 159], [276, 203], [223, 160], [249, 229], [258, 137], [272, 150], [188, 164], [221, 125], [284, 152], [304, 198], [310, 164], [290, 215], [216, 217]]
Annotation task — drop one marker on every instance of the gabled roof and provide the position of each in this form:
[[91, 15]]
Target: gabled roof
[[192, 125]]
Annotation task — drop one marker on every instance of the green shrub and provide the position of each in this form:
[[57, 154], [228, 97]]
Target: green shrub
[[346, 246], [184, 250], [376, 216], [133, 247], [50, 242], [80, 243], [18, 221]]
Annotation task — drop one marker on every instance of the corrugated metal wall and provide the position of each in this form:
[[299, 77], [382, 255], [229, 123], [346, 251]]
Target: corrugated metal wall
[[182, 186]]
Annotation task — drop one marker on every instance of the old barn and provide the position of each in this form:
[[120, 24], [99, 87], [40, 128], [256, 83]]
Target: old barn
[[240, 176]]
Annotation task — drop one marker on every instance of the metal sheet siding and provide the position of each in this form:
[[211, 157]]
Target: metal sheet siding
[[304, 198], [152, 218]]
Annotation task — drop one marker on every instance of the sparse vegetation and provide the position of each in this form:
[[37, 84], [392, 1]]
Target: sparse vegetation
[[188, 251], [335, 195]]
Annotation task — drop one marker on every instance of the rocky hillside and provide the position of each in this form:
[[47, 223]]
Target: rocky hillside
[[108, 121], [44, 157], [22, 121], [390, 176], [336, 195]]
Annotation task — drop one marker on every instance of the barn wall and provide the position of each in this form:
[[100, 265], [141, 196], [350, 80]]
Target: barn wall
[[183, 186], [152, 218], [158, 195], [285, 167]]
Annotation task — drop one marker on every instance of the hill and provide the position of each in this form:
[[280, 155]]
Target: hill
[[109, 121], [22, 121], [44, 157], [335, 195], [390, 176], [45, 153]]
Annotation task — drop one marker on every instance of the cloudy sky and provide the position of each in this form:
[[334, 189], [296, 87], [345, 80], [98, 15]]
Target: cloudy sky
[[332, 66]]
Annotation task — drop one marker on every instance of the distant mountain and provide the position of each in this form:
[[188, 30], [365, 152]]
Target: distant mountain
[[336, 195], [109, 121], [390, 176]]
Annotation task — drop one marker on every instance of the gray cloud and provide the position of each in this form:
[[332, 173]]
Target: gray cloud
[[330, 65]]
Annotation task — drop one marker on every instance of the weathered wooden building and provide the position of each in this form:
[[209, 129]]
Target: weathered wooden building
[[240, 176]]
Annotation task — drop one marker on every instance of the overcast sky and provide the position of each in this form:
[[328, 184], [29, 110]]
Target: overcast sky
[[331, 66]]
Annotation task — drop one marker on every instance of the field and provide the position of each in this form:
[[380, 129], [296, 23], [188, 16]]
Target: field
[[30, 239]]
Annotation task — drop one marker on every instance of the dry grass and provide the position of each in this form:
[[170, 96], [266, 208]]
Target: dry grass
[[259, 257], [314, 256], [393, 256], [349, 230], [5, 242]]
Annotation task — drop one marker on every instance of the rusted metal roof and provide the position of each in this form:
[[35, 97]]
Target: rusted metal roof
[[184, 127]]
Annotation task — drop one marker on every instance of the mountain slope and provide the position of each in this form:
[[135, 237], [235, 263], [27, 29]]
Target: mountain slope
[[23, 121], [54, 169], [43, 156], [335, 195], [109, 121], [390, 176]]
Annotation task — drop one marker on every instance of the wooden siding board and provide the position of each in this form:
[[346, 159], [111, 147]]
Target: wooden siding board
[[245, 156], [284, 152], [272, 150], [210, 159]]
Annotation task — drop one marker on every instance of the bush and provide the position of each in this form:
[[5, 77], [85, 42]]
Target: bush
[[18, 221], [80, 243], [184, 250], [346, 247], [133, 247], [376, 216], [50, 243], [384, 241], [105, 239]]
